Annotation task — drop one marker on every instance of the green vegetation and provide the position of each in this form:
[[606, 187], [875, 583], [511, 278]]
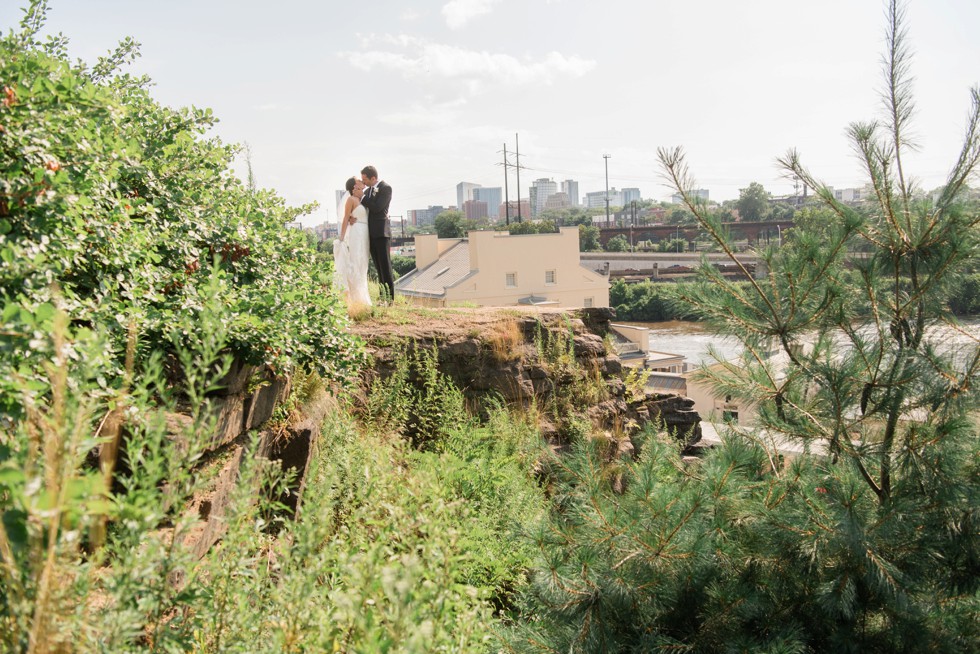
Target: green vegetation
[[452, 224], [588, 238], [650, 301], [753, 203], [529, 227], [119, 210], [618, 243], [872, 547]]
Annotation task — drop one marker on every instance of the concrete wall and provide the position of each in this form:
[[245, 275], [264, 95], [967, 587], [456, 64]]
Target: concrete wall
[[429, 247], [712, 406], [638, 335]]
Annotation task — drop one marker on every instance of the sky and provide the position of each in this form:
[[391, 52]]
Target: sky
[[430, 91]]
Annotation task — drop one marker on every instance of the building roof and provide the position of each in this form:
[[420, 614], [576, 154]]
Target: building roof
[[667, 382], [653, 356], [445, 272]]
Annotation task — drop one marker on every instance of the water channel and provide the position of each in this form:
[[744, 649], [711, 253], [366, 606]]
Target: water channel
[[694, 341]]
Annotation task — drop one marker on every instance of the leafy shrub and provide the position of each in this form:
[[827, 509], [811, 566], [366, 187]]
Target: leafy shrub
[[123, 205], [651, 301], [965, 296], [417, 400], [402, 265]]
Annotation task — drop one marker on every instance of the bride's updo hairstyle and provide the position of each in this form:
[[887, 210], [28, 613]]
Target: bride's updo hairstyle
[[350, 184]]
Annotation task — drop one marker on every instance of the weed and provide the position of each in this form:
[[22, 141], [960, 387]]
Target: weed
[[506, 340]]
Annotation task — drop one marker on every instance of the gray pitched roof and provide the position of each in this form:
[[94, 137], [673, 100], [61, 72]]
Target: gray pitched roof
[[667, 382], [445, 272]]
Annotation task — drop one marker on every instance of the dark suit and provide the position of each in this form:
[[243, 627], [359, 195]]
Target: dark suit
[[379, 231]]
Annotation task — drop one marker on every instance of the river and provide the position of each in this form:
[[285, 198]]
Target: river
[[693, 340]]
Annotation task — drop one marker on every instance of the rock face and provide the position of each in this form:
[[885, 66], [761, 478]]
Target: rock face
[[241, 406], [521, 357]]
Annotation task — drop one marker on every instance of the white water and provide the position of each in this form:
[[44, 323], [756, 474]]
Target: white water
[[693, 340]]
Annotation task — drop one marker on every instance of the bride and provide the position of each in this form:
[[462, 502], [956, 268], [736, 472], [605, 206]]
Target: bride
[[351, 251]]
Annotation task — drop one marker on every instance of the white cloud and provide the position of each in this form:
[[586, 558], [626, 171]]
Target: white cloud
[[460, 12], [421, 58], [428, 114]]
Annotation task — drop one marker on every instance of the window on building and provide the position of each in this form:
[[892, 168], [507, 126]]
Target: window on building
[[549, 277], [730, 415], [511, 280], [588, 303]]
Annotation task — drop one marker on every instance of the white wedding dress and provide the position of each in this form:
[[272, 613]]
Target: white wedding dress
[[351, 257]]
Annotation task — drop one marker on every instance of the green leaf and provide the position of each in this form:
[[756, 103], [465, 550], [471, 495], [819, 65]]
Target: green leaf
[[45, 313], [15, 524], [11, 477]]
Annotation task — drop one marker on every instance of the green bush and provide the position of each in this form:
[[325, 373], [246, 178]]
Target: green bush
[[115, 207], [402, 265], [965, 295], [650, 301]]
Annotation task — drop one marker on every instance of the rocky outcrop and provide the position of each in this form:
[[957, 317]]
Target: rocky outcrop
[[240, 406], [511, 355]]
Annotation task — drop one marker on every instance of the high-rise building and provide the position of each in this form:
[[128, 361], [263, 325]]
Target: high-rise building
[[541, 190], [475, 209], [464, 192], [631, 194], [493, 196], [570, 188]]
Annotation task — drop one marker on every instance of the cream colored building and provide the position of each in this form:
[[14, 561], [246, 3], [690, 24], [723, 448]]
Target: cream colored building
[[715, 407], [491, 268]]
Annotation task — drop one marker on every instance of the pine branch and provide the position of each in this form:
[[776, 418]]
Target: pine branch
[[898, 98]]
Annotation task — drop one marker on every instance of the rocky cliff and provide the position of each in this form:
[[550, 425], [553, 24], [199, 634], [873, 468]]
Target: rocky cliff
[[529, 355]]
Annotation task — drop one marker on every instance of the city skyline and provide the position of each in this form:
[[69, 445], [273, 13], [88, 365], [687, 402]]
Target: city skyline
[[432, 94]]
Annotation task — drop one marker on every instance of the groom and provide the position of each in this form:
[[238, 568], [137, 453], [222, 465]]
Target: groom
[[377, 198]]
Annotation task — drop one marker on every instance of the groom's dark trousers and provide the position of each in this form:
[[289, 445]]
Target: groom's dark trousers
[[379, 229]]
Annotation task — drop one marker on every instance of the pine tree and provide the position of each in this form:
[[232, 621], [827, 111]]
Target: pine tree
[[867, 542]]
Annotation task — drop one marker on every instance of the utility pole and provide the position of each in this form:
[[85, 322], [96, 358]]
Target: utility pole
[[506, 195], [517, 142], [606, 157]]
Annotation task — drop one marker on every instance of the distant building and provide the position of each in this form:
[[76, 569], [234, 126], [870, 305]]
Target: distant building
[[597, 199], [500, 269], [493, 196], [558, 201], [464, 192], [475, 209], [631, 194], [541, 190], [849, 194], [701, 193], [423, 217], [570, 188], [325, 231], [523, 209]]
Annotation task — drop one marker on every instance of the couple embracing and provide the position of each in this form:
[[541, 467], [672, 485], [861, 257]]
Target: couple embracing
[[364, 230]]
